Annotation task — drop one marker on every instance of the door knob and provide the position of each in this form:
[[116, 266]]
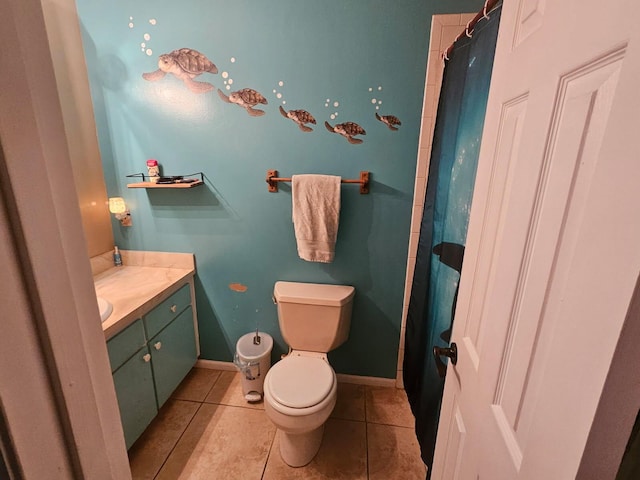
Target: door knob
[[451, 352]]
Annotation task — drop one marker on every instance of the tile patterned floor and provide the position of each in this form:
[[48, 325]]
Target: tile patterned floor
[[208, 431]]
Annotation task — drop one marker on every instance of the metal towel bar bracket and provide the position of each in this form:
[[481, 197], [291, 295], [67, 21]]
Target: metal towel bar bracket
[[273, 179]]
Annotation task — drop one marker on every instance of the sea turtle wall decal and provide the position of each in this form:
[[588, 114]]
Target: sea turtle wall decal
[[390, 121], [185, 64], [301, 117], [246, 98], [348, 130]]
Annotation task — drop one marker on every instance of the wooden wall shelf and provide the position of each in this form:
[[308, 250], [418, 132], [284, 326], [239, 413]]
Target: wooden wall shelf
[[165, 185], [178, 183]]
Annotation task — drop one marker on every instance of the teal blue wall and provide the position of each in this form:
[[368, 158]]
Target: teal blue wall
[[239, 232]]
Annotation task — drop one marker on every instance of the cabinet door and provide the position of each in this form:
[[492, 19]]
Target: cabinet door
[[136, 397], [173, 353]]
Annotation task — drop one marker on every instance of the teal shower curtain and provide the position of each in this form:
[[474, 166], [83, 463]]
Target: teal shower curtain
[[443, 231]]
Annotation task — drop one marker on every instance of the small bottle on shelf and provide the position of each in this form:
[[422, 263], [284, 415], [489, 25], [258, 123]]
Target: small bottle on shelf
[[154, 170], [117, 257]]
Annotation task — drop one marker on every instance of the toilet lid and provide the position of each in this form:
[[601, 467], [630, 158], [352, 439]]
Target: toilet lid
[[300, 382]]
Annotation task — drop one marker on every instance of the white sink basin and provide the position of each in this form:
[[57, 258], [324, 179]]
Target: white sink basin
[[105, 308]]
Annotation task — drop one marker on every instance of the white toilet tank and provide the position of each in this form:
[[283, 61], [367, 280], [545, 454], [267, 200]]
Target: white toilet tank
[[314, 317]]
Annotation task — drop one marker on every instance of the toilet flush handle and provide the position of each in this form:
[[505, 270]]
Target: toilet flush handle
[[273, 299]]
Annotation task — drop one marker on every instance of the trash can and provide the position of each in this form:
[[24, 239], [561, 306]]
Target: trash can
[[253, 359]]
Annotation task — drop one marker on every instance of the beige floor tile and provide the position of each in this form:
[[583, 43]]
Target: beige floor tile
[[389, 406], [223, 443], [196, 384], [393, 453], [350, 402], [148, 454], [228, 391], [342, 456]]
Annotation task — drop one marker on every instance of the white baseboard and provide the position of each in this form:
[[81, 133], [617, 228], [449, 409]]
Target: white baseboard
[[342, 377], [216, 365], [371, 381]]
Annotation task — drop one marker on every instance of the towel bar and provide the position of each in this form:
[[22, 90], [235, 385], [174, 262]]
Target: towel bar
[[273, 179]]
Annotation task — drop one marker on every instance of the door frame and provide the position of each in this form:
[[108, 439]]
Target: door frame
[[619, 404], [55, 369]]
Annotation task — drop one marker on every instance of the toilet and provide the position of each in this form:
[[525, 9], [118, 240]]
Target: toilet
[[300, 390]]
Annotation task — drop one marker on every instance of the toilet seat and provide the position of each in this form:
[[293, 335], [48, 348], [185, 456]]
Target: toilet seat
[[300, 382]]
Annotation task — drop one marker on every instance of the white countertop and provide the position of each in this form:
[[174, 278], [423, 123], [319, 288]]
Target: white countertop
[[135, 289]]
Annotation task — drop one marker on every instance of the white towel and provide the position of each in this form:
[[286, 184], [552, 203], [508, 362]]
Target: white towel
[[316, 212]]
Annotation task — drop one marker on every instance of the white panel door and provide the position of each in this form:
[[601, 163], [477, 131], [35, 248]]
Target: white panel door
[[553, 250]]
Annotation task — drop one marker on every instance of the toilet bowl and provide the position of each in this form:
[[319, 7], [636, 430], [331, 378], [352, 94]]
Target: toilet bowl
[[299, 395], [300, 390]]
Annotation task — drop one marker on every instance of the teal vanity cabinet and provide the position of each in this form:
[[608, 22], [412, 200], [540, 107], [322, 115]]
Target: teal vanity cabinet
[[133, 380], [150, 358], [170, 329]]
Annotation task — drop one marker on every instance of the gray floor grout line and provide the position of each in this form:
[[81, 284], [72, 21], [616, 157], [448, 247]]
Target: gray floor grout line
[[205, 395], [177, 441], [236, 406], [178, 399], [390, 425], [187, 426], [211, 388], [264, 469]]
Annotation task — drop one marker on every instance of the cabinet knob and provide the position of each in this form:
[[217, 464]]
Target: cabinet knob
[[173, 308], [146, 357], [157, 345]]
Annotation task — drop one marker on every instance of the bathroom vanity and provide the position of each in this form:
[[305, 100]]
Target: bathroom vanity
[[151, 334]]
